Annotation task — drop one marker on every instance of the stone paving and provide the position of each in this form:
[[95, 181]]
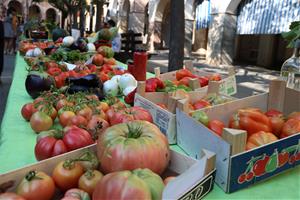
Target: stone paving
[[250, 79]]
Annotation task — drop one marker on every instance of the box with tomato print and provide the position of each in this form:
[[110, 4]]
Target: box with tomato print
[[162, 105], [258, 144], [197, 79], [194, 179]]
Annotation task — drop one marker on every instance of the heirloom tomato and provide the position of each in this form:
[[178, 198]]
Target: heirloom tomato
[[290, 127], [65, 117], [88, 181], [294, 115], [130, 114], [49, 144], [184, 73], [216, 126], [97, 125], [36, 185], [260, 138], [76, 194], [40, 121], [75, 138], [136, 144], [27, 111], [66, 174], [250, 119], [138, 184], [274, 113], [85, 112], [78, 120]]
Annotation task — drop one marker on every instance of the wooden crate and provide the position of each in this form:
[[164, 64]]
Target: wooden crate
[[166, 119], [195, 177], [227, 84], [232, 159]]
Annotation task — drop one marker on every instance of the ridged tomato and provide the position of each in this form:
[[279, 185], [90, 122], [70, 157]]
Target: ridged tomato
[[132, 145], [259, 139]]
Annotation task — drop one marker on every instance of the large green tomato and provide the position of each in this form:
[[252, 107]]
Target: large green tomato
[[123, 185]]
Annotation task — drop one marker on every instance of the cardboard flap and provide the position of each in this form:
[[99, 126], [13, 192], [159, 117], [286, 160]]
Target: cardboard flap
[[193, 174], [237, 139], [194, 84], [276, 94], [157, 72], [141, 88], [188, 64], [213, 87], [183, 105]]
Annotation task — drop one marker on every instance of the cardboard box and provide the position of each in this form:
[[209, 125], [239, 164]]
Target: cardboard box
[[166, 119], [232, 159], [227, 84], [195, 177]]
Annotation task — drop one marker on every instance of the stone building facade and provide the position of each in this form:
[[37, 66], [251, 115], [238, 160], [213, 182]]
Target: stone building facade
[[219, 42], [26, 9]]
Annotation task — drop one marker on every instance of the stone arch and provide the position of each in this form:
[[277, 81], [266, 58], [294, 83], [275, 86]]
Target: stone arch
[[34, 12], [16, 5], [233, 6], [124, 15], [51, 15]]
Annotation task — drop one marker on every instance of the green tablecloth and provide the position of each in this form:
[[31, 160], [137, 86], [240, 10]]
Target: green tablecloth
[[18, 141]]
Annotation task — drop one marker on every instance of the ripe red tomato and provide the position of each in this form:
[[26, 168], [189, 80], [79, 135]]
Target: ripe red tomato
[[201, 104], [184, 73], [10, 196], [76, 194], [215, 77], [50, 65], [203, 81], [277, 124], [98, 59], [54, 71], [62, 103], [185, 81], [75, 138], [40, 121], [49, 145], [27, 111], [216, 126], [290, 127], [88, 181], [260, 138], [250, 119], [66, 174], [85, 112], [274, 113], [130, 114], [97, 125], [132, 145], [65, 117], [138, 184], [78, 120], [36, 185]]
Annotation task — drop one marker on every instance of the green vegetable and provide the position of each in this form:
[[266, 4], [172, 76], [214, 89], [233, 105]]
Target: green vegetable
[[62, 54], [201, 117]]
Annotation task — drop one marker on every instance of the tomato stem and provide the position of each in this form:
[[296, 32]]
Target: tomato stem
[[32, 175], [69, 164], [134, 132]]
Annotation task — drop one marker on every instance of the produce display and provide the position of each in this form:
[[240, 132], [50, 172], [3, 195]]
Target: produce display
[[262, 128], [83, 99], [132, 169]]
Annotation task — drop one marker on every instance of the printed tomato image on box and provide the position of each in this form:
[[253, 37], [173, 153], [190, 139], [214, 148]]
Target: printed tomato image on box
[[258, 164]]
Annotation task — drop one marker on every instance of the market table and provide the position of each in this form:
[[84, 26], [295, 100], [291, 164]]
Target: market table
[[18, 141]]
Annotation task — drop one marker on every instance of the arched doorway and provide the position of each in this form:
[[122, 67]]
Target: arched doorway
[[17, 6], [34, 12], [51, 15], [124, 16]]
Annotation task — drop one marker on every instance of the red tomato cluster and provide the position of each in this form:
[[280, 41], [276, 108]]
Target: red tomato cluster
[[183, 77]]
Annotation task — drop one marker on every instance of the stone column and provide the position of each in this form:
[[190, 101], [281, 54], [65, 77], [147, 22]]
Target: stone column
[[221, 39], [188, 26]]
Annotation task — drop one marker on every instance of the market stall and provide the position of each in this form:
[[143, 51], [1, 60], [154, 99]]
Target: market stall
[[18, 141]]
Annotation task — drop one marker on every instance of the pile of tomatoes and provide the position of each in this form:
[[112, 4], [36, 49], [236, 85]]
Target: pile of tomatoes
[[183, 77], [81, 116], [132, 156], [262, 128]]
